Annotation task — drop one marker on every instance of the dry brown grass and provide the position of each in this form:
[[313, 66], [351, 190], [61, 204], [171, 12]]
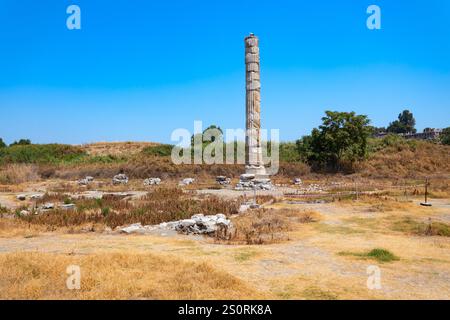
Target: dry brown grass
[[116, 148], [408, 160], [266, 226], [409, 225], [161, 205], [18, 173], [116, 276], [17, 228]]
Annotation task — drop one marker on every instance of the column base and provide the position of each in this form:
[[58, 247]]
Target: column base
[[254, 178]]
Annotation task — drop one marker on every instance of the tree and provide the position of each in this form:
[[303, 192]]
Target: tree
[[376, 130], [445, 136], [213, 138], [21, 142], [2, 144], [405, 123], [339, 142]]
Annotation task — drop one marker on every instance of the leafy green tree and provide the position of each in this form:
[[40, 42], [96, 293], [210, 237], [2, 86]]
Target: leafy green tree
[[339, 142], [204, 131], [445, 136], [405, 123], [21, 142], [2, 143]]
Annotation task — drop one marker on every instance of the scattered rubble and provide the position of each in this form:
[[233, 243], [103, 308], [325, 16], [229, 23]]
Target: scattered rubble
[[198, 224], [222, 180], [69, 206], [36, 196], [24, 212], [120, 179], [250, 182], [244, 207], [186, 181], [48, 206], [152, 181], [134, 228], [312, 188], [86, 181]]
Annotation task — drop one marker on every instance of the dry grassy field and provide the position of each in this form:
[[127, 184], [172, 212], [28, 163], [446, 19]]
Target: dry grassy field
[[309, 241]]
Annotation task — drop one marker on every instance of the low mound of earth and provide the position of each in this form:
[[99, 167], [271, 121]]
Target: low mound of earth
[[408, 159]]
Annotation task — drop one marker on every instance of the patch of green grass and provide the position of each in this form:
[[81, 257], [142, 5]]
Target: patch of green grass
[[163, 150], [245, 255], [440, 229], [381, 255], [411, 226]]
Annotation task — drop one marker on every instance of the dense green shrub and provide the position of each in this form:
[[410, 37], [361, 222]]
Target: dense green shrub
[[162, 150], [40, 153]]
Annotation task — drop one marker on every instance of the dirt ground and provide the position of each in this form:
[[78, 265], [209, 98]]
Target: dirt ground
[[314, 264]]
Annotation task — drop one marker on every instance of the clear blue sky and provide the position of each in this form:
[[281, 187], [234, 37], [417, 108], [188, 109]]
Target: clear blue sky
[[139, 69]]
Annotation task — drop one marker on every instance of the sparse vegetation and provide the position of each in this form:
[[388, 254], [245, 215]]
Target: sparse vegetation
[[411, 226], [163, 150], [161, 205], [267, 226], [394, 157], [18, 173]]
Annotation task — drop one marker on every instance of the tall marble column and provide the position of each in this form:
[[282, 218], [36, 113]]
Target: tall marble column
[[254, 161]]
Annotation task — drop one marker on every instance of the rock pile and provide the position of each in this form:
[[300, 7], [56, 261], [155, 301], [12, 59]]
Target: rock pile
[[85, 181], [312, 188], [197, 224], [120, 179], [248, 205], [222, 180], [48, 206], [249, 182], [152, 181]]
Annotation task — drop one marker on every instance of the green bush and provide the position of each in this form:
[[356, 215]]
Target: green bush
[[382, 255], [40, 153], [162, 150], [445, 137]]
